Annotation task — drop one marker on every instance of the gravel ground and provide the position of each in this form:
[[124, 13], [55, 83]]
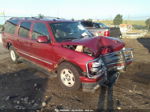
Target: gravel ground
[[22, 87]]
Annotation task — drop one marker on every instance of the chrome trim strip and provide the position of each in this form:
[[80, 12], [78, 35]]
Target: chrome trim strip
[[35, 57], [120, 62], [124, 56], [126, 49]]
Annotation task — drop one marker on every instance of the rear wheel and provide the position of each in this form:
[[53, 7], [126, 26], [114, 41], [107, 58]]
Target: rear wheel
[[68, 76], [13, 55]]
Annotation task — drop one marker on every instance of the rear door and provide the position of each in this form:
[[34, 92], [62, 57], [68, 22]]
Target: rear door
[[24, 38]]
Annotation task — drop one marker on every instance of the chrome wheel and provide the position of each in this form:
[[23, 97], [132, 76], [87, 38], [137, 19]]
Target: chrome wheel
[[67, 77], [13, 55]]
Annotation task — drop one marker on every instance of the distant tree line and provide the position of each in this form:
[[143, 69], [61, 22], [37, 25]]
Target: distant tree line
[[40, 16], [118, 19]]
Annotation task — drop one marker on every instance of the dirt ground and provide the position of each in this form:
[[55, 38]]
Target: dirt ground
[[22, 87]]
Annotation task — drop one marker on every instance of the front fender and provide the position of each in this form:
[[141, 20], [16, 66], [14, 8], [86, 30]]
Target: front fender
[[77, 58]]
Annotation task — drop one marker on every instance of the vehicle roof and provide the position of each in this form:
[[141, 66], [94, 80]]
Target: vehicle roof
[[45, 19]]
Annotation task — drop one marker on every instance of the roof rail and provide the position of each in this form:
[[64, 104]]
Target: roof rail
[[38, 18], [50, 18], [23, 18]]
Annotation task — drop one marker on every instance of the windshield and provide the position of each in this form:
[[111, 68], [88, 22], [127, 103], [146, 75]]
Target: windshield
[[69, 30]]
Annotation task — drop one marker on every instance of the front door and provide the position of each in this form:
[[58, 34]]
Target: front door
[[42, 53]]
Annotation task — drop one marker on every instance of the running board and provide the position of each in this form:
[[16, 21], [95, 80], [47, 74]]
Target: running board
[[35, 66]]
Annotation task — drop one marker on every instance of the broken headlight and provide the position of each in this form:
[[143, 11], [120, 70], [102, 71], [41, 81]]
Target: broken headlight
[[97, 65]]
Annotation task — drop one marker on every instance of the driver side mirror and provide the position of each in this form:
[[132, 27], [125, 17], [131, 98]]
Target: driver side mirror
[[42, 39]]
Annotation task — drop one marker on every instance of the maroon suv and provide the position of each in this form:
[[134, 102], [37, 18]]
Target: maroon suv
[[67, 49]]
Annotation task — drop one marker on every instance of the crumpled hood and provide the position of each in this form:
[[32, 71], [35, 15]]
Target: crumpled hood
[[95, 44]]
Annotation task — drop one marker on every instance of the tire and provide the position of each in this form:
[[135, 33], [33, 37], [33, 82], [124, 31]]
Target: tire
[[68, 76], [13, 55]]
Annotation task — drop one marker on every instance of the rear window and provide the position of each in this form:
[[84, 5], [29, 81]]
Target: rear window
[[87, 23], [24, 29], [10, 26]]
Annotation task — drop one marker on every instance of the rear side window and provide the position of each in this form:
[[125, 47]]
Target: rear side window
[[39, 29], [10, 26], [96, 25], [24, 29]]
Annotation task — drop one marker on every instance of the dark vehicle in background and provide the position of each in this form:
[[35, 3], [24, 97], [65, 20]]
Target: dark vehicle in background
[[100, 29]]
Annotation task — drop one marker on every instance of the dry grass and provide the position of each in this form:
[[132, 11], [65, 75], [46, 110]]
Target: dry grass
[[132, 22]]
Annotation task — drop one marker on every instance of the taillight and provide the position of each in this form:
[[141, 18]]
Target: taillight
[[107, 33]]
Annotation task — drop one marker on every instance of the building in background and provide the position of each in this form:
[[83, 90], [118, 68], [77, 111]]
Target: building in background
[[124, 28]]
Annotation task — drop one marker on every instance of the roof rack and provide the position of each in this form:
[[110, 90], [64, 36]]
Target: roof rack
[[51, 18], [22, 18]]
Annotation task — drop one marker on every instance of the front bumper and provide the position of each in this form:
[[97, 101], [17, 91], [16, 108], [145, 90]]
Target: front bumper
[[115, 61], [92, 86], [112, 61], [118, 60]]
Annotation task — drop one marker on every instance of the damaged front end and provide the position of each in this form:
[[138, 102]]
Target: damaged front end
[[80, 48], [109, 58], [108, 67]]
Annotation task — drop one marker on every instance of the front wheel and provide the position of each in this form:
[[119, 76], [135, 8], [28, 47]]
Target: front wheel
[[68, 76], [13, 55]]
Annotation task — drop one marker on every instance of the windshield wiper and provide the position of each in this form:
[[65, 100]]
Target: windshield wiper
[[70, 38]]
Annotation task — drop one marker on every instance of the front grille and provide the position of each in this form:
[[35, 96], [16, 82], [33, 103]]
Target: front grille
[[117, 59], [120, 57]]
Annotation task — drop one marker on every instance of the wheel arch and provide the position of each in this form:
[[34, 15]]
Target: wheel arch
[[76, 73], [66, 61]]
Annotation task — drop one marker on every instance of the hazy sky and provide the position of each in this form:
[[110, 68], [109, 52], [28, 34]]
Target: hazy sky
[[78, 9]]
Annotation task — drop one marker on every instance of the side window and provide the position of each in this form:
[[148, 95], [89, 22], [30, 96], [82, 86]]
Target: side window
[[39, 29], [24, 29], [10, 26]]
